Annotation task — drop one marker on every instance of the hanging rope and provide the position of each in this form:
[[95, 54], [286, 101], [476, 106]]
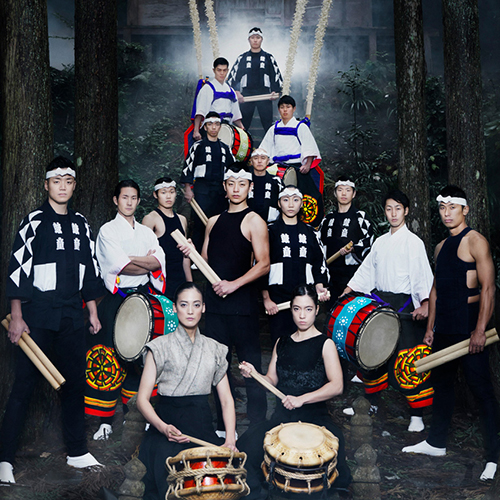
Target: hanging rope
[[214, 39], [298, 17], [195, 20], [318, 45]]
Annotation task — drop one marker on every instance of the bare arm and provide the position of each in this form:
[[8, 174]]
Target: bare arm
[[239, 123], [228, 412], [150, 221], [306, 166], [95, 324], [271, 375], [188, 192], [186, 263], [431, 314], [210, 224], [141, 265], [196, 127], [17, 325], [269, 304]]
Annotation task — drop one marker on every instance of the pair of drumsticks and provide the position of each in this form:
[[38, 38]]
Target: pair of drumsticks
[[38, 357]]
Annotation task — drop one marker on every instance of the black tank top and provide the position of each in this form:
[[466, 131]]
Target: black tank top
[[452, 309], [173, 256], [229, 255]]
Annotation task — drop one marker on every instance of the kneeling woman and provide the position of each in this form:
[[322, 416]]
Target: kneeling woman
[[185, 365], [305, 366]]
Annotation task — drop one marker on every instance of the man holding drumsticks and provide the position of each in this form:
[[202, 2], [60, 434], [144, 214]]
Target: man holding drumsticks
[[52, 267], [460, 306]]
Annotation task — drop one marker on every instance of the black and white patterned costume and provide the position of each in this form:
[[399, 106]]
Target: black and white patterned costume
[[296, 258], [52, 267], [256, 73], [263, 198], [337, 230]]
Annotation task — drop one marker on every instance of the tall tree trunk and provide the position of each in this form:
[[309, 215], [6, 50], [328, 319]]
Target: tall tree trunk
[[410, 80], [465, 136], [27, 137], [96, 108]]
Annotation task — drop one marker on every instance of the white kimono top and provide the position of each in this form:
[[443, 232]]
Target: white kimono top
[[397, 263], [116, 242], [205, 97]]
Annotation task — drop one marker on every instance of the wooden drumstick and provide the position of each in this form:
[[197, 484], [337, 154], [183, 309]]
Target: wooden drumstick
[[270, 387], [450, 353], [203, 266], [199, 211], [260, 97], [200, 441], [286, 305], [336, 255]]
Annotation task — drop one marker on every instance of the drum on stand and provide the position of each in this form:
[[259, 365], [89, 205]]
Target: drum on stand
[[207, 473], [300, 457], [142, 317], [365, 332], [239, 141]]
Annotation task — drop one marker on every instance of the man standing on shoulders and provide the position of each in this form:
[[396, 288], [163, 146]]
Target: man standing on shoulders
[[254, 73], [130, 258], [460, 306], [203, 175], [217, 96], [338, 229], [52, 268]]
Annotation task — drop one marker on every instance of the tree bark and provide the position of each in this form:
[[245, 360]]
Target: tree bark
[[96, 108], [27, 132], [465, 134], [410, 80]]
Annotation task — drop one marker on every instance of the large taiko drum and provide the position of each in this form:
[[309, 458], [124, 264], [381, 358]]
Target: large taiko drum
[[207, 473], [365, 332], [300, 457], [239, 140], [140, 318]]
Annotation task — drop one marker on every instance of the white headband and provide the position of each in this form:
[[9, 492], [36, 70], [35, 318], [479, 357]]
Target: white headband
[[345, 183], [452, 199], [212, 119], [242, 174], [258, 152], [290, 192], [162, 185], [255, 31], [60, 171]]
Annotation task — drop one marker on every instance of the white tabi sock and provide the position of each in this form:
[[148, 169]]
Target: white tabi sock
[[6, 474], [424, 448], [83, 461], [103, 433], [489, 471], [416, 424]]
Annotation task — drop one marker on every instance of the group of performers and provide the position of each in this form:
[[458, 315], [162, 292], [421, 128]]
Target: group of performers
[[260, 242]]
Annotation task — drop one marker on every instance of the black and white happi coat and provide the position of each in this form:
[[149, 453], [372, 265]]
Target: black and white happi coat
[[263, 198], [296, 258], [206, 160], [52, 267], [266, 74]]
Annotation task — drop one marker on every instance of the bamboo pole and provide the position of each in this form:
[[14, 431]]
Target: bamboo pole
[[199, 211], [260, 97], [450, 353], [336, 255]]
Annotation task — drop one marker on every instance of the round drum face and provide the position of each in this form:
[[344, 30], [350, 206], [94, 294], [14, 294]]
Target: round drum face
[[133, 325], [377, 339], [226, 135], [301, 437]]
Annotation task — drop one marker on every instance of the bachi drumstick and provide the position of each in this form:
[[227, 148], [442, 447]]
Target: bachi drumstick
[[199, 211], [200, 441], [450, 353], [260, 97], [336, 255], [286, 305], [270, 387]]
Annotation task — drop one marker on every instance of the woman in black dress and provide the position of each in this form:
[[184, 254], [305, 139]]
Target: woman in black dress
[[305, 366]]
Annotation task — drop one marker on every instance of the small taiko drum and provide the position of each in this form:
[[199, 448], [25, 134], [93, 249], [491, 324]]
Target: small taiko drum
[[365, 332], [140, 318], [239, 140], [207, 473], [300, 457]]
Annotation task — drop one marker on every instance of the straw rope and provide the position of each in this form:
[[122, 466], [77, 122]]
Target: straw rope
[[195, 20], [212, 26]]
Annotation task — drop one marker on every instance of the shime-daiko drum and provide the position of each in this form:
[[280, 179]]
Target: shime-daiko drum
[[239, 140]]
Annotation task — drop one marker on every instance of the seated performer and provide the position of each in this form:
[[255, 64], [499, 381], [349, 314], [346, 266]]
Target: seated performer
[[131, 260], [397, 272], [338, 229], [460, 306], [217, 96], [254, 73], [203, 175], [186, 365], [296, 257], [290, 143], [305, 366], [263, 198], [162, 221], [52, 267]]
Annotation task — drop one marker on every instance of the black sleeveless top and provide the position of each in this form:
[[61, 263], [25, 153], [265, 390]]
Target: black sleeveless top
[[173, 256], [229, 255], [452, 310]]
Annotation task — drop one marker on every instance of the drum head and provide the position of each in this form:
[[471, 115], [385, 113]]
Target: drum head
[[226, 135], [378, 338], [133, 326]]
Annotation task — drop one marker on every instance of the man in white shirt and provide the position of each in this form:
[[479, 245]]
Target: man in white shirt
[[217, 96], [131, 260], [397, 272]]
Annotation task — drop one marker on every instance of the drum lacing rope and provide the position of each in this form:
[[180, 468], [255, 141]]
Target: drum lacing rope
[[198, 475], [301, 476]]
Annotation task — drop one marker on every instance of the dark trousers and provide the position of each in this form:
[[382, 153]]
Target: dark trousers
[[242, 332], [477, 375], [281, 325], [265, 109], [68, 353]]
